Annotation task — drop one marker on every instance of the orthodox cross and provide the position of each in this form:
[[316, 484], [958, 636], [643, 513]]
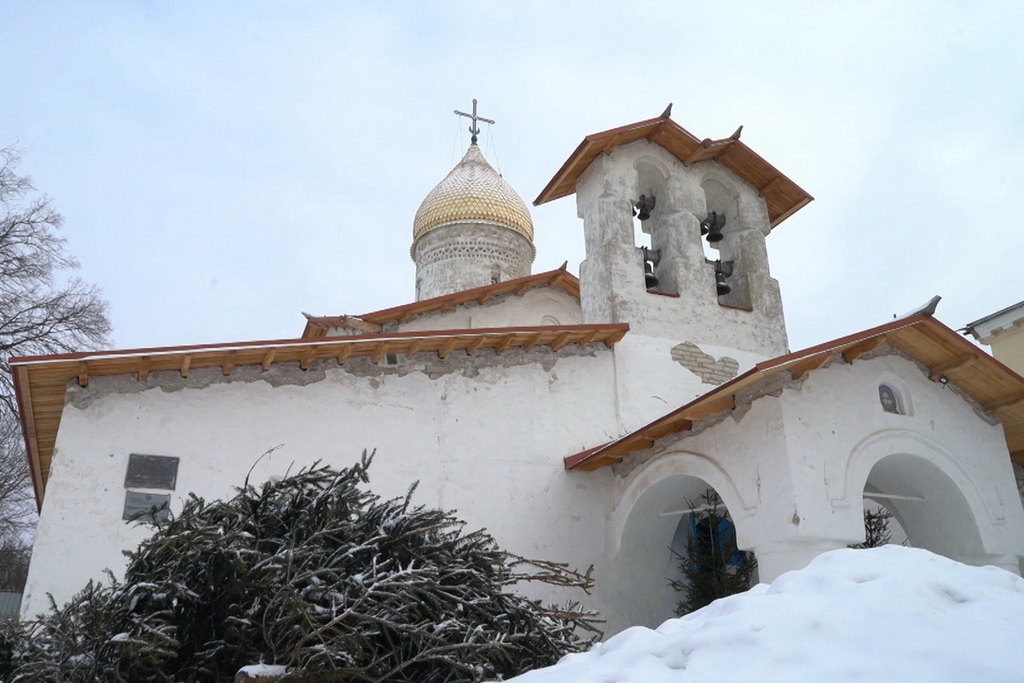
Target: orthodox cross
[[474, 129]]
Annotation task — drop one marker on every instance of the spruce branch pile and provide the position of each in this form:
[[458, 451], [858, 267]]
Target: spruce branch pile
[[315, 573]]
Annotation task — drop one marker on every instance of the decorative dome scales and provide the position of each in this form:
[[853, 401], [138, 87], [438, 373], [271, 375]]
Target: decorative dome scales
[[473, 192]]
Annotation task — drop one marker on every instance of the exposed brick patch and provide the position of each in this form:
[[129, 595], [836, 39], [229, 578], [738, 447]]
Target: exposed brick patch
[[705, 366]]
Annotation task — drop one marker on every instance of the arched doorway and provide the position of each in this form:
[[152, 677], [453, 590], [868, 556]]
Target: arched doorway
[[927, 506], [658, 526]]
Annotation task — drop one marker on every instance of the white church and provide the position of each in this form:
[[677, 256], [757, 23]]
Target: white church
[[576, 419]]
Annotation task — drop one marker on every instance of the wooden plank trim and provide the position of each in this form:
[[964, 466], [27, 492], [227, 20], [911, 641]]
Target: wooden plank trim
[[447, 347], [770, 185], [229, 362], [475, 344], [344, 353], [504, 344], [414, 348], [799, 370], [560, 341], [855, 351], [712, 407], [588, 338], [697, 152], [958, 363], [1004, 402], [531, 341]]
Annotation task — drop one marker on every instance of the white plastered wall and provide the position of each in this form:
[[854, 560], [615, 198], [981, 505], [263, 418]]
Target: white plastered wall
[[486, 439], [791, 466]]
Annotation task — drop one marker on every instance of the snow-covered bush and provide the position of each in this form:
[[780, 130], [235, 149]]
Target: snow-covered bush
[[315, 573]]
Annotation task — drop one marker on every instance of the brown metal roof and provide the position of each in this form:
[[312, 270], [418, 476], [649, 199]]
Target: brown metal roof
[[40, 381], [995, 387], [782, 196], [560, 278]]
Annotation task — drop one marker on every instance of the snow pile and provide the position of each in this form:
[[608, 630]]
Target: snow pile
[[886, 614]]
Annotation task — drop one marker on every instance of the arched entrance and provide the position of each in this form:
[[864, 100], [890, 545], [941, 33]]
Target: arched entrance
[[657, 524], [927, 505]]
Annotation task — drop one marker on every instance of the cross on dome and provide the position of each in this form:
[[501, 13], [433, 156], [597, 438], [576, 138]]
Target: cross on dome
[[473, 128]]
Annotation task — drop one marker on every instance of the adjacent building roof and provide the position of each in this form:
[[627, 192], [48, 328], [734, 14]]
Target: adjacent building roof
[[317, 326], [40, 381], [782, 196], [473, 192], [984, 328], [996, 388]]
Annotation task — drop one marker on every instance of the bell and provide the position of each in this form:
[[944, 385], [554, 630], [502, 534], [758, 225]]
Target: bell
[[650, 279], [714, 224], [644, 205], [721, 285]]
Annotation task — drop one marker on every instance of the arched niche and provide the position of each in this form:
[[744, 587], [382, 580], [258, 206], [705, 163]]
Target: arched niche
[[652, 518], [651, 176], [927, 505], [930, 493]]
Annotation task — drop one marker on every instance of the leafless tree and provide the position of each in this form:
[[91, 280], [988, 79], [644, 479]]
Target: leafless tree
[[42, 310]]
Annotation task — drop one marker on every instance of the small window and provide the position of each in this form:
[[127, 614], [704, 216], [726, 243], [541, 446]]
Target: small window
[[889, 399], [151, 472]]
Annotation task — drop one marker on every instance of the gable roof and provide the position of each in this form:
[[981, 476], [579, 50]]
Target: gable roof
[[560, 278], [782, 196], [40, 381], [995, 387]]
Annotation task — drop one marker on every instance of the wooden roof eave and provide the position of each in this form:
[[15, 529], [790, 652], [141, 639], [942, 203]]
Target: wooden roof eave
[[560, 278], [40, 381], [783, 196]]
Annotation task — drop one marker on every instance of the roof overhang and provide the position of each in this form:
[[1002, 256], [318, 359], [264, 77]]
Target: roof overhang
[[782, 196], [40, 382], [996, 388], [560, 278], [985, 328]]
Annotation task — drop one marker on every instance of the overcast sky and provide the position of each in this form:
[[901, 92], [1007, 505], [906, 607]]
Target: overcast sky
[[223, 166]]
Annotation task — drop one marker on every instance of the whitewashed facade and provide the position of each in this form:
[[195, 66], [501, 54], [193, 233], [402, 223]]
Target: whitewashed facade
[[486, 429]]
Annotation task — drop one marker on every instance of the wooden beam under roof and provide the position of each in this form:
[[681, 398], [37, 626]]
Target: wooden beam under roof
[[958, 363], [855, 351], [800, 369]]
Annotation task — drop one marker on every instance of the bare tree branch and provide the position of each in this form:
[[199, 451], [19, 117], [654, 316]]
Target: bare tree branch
[[43, 310]]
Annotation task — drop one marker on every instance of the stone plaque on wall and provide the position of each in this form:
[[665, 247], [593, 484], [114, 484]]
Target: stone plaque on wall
[[151, 472], [146, 507]]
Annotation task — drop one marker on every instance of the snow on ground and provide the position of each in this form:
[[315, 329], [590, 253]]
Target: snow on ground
[[872, 616]]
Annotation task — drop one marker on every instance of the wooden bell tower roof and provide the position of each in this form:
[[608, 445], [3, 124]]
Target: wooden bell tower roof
[[782, 195]]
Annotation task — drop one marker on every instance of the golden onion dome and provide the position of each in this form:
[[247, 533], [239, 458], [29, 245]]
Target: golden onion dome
[[473, 192]]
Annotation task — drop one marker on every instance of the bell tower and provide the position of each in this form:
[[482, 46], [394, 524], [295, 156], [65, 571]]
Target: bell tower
[[699, 271], [472, 229]]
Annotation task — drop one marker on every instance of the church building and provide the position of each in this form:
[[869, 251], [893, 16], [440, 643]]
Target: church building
[[576, 419]]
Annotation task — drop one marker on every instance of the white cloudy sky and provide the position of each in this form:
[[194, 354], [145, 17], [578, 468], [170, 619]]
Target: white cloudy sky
[[223, 166]]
